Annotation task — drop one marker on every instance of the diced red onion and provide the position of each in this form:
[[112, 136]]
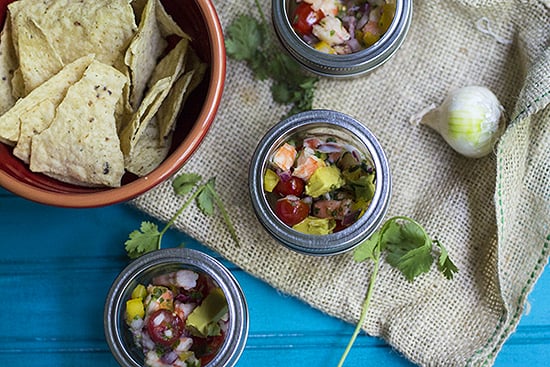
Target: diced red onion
[[169, 357], [350, 218], [363, 20], [354, 44], [284, 175]]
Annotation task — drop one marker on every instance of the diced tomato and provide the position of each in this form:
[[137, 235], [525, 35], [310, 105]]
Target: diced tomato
[[305, 17], [291, 210], [165, 327], [293, 186]]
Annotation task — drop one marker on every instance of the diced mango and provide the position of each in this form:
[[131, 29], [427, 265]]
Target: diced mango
[[325, 47], [134, 309], [271, 179], [139, 291]]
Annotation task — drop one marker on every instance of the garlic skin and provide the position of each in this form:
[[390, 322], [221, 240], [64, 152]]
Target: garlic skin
[[470, 119]]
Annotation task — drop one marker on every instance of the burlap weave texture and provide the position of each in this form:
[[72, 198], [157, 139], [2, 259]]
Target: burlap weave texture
[[492, 214]]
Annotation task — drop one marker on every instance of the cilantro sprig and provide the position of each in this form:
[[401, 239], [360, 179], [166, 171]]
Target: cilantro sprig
[[408, 248], [148, 238], [250, 40]]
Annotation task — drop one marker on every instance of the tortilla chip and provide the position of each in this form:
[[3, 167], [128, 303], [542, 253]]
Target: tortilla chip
[[170, 108], [167, 24], [102, 27], [148, 153], [33, 122], [53, 90], [142, 54], [184, 86], [164, 76], [38, 60], [81, 143], [148, 108], [8, 63]]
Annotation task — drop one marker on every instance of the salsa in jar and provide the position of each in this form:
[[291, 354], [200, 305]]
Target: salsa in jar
[[179, 319], [341, 26], [318, 185]]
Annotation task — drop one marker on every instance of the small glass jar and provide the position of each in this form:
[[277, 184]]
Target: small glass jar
[[345, 129], [142, 271], [348, 65]]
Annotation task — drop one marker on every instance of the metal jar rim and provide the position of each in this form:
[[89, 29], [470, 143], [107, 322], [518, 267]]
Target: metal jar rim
[[342, 66], [162, 261], [337, 242]]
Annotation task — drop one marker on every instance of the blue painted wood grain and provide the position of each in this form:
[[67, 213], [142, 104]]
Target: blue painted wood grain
[[56, 267]]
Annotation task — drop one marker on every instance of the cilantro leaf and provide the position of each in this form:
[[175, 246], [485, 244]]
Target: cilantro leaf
[[368, 249], [409, 249], [444, 263], [184, 183], [250, 40], [244, 37], [205, 200], [144, 240]]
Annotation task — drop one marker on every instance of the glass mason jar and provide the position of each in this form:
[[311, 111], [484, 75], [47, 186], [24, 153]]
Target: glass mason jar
[[342, 128], [345, 65], [142, 271]]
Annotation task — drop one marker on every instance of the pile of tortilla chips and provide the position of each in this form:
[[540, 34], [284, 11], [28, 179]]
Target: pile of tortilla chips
[[91, 89]]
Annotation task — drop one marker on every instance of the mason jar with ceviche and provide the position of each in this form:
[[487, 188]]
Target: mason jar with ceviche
[[320, 182]]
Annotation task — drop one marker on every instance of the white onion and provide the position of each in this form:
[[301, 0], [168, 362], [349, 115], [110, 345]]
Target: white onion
[[470, 119]]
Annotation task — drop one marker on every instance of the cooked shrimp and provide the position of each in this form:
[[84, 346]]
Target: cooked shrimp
[[284, 156], [331, 30], [307, 167], [328, 7], [158, 297]]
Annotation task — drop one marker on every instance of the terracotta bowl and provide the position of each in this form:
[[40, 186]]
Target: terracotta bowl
[[199, 19]]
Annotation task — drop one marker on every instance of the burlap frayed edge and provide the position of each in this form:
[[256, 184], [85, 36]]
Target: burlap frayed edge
[[504, 329]]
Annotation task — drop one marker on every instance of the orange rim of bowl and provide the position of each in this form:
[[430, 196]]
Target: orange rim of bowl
[[171, 164]]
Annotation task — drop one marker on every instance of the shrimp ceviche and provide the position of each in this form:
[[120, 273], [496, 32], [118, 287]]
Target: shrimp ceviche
[[318, 185], [179, 319], [341, 26]]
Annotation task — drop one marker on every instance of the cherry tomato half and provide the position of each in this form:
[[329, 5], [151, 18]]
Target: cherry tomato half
[[293, 186], [164, 327], [291, 211], [305, 17]]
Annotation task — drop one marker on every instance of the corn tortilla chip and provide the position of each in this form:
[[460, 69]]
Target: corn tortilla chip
[[78, 28], [148, 108], [184, 86], [32, 123], [53, 89], [142, 54], [148, 153], [81, 143], [38, 60], [8, 63]]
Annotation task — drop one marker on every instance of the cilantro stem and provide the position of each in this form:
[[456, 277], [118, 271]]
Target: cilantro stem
[[180, 210], [364, 310], [225, 215], [262, 15]]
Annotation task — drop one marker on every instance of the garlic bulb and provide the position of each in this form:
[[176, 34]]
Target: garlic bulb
[[470, 119]]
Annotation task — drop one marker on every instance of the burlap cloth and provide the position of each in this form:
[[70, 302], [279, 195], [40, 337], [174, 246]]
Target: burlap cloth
[[493, 214]]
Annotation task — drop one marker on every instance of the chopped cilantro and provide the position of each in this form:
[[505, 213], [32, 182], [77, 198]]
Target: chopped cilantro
[[250, 40]]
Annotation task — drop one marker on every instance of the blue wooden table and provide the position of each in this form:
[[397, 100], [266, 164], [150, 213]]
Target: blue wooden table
[[56, 267]]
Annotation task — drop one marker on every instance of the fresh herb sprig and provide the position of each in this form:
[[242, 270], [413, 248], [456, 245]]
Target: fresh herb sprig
[[250, 40], [148, 238], [408, 248]]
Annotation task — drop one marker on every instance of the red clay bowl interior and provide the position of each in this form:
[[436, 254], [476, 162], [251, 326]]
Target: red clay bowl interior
[[199, 19]]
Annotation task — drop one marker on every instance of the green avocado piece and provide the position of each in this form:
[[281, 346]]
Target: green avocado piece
[[323, 180], [315, 226], [203, 320]]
